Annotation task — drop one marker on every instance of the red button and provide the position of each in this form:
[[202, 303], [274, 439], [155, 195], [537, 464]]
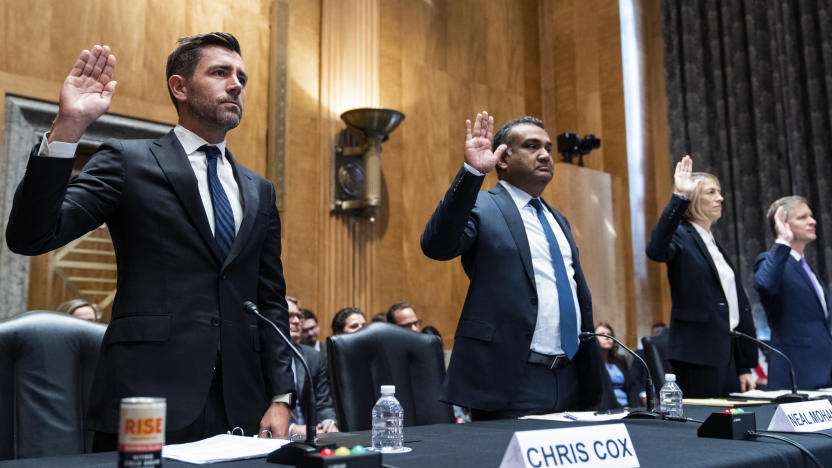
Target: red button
[[327, 452]]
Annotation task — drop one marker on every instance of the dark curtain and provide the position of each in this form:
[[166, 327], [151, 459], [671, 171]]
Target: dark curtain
[[749, 87]]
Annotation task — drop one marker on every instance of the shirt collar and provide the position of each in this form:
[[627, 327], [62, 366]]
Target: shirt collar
[[795, 255], [703, 233], [520, 198], [191, 141]]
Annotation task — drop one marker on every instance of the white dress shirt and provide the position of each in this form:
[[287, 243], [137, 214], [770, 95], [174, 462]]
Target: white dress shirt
[[726, 276], [546, 339]]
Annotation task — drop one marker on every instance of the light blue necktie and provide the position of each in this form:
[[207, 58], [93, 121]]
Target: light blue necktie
[[223, 216], [568, 320]]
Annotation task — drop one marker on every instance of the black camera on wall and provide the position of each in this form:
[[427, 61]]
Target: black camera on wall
[[571, 145]]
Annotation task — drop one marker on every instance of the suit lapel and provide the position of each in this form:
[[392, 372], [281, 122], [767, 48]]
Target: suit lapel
[[174, 163], [515, 226], [807, 282], [250, 199], [704, 250]]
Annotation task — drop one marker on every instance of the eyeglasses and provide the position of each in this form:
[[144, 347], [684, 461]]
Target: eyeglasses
[[415, 323]]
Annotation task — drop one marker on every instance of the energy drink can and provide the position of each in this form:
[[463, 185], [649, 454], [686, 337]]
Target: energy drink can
[[141, 432]]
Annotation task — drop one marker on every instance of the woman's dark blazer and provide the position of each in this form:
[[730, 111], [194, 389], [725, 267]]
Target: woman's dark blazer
[[699, 314]]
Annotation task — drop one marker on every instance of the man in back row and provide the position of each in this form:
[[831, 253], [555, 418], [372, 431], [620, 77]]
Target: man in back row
[[195, 233], [516, 349], [796, 300]]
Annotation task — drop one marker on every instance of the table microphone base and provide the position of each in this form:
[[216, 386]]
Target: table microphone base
[[652, 414], [791, 398], [303, 455]]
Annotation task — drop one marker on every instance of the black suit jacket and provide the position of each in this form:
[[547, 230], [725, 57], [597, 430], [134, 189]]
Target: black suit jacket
[[699, 321], [494, 333], [324, 408], [178, 304], [799, 327]]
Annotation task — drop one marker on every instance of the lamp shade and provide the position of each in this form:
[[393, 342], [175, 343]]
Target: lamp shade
[[377, 122]]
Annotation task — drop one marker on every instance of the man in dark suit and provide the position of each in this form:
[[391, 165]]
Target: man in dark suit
[[195, 234], [795, 298], [516, 348], [324, 409]]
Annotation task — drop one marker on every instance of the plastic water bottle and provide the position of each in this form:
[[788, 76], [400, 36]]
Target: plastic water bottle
[[388, 419], [670, 397]]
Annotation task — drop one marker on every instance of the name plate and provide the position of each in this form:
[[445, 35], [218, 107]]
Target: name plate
[[604, 445], [803, 416]]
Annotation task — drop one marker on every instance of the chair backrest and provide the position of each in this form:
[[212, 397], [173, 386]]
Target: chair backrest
[[47, 361], [655, 353], [381, 354]]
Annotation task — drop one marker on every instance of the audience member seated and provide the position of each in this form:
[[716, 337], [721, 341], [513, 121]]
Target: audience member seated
[[379, 317], [348, 320], [82, 309], [625, 393], [324, 409], [403, 315], [309, 332]]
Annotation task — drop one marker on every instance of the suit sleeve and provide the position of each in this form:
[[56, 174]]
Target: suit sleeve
[[323, 394], [275, 354], [452, 229], [50, 210], [663, 245], [769, 269]]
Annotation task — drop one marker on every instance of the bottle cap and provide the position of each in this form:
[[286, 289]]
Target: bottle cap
[[388, 389], [670, 377]]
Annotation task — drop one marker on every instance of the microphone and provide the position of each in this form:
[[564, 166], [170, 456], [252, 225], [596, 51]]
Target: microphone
[[293, 453], [651, 389], [789, 397]]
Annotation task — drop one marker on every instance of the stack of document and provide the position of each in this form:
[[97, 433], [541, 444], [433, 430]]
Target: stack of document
[[772, 394], [223, 447], [582, 416]]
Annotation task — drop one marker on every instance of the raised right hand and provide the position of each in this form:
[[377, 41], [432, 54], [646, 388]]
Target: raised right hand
[[784, 231], [85, 95], [478, 143], [682, 182]]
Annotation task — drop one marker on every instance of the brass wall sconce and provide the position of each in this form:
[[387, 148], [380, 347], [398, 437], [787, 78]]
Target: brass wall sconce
[[356, 161]]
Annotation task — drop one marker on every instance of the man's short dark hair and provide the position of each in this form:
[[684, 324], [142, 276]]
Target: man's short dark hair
[[391, 312], [504, 133], [308, 314], [183, 60], [787, 203]]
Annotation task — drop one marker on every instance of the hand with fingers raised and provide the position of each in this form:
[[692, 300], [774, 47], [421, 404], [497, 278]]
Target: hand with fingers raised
[[85, 94], [478, 141]]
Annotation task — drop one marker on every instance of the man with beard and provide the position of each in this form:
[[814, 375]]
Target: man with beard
[[195, 233]]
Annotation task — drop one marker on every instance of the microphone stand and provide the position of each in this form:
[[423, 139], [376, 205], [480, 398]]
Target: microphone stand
[[294, 452], [789, 397], [650, 410]]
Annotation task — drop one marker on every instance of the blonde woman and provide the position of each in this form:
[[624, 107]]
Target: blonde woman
[[708, 300]]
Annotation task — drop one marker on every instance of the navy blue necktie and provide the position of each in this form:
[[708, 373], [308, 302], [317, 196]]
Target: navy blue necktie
[[568, 320], [223, 216]]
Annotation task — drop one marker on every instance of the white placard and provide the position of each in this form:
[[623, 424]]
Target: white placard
[[803, 416], [604, 445]]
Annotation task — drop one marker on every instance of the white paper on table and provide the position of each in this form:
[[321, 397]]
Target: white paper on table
[[772, 394], [577, 416], [220, 448]]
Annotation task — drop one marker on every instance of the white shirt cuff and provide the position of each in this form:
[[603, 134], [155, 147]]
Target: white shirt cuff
[[56, 149], [781, 241], [285, 398], [472, 170]]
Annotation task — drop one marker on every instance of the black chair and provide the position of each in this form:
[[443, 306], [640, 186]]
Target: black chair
[[655, 353], [47, 361], [382, 354]]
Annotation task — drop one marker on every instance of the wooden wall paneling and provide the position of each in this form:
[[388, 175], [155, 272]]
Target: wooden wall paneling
[[349, 79], [306, 195], [657, 170]]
